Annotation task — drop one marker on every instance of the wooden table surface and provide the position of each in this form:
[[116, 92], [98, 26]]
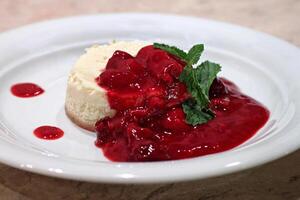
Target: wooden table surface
[[278, 180]]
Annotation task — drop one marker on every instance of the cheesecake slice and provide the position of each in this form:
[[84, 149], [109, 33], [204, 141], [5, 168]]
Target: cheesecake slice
[[86, 102]]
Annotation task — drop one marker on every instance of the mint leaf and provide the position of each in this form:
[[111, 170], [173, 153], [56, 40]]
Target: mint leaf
[[196, 115], [172, 50], [198, 82], [206, 73], [194, 54], [189, 76]]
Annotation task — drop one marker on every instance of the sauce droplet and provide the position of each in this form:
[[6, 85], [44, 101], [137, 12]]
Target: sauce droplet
[[48, 132], [25, 90]]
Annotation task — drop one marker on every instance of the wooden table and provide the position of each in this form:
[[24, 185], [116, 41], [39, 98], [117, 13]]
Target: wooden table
[[274, 181]]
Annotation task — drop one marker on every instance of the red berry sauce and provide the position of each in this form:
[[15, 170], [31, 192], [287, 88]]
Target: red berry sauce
[[26, 90], [149, 124], [48, 132]]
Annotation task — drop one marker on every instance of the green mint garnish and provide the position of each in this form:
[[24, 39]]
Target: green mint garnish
[[197, 79], [194, 114], [194, 54]]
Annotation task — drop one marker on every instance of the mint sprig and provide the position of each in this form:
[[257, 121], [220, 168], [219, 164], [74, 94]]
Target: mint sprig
[[197, 79]]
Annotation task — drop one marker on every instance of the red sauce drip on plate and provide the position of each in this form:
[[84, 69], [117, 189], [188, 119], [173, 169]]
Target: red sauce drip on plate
[[149, 124], [48, 132], [26, 90]]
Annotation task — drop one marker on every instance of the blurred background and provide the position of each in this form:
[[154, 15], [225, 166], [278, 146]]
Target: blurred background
[[278, 180], [278, 17]]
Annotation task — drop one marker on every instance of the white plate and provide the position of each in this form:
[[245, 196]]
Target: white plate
[[264, 67]]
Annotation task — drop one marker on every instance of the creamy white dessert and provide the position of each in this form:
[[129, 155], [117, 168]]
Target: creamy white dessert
[[86, 102]]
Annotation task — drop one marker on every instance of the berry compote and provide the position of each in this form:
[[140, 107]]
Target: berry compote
[[149, 124]]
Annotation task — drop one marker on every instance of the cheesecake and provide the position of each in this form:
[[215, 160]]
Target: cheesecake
[[152, 102], [86, 102]]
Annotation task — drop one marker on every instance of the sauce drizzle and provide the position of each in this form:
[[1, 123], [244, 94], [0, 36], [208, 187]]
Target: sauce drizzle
[[26, 90], [48, 132]]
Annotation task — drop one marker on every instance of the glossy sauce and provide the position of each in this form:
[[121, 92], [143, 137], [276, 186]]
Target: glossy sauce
[[26, 90], [150, 124], [48, 132]]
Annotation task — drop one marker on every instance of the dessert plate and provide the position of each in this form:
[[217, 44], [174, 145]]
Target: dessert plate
[[263, 66]]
